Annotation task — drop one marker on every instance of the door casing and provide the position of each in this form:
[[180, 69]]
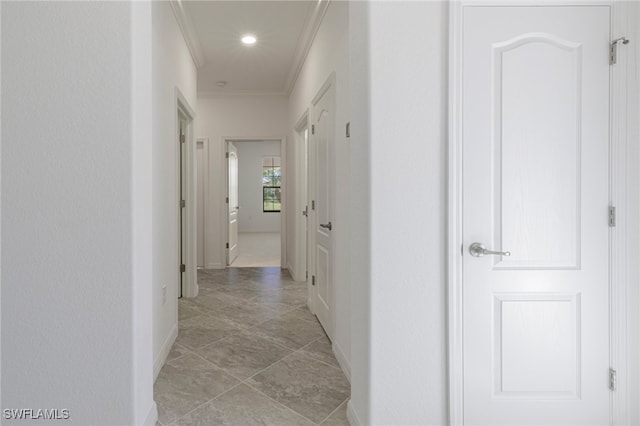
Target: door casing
[[224, 225], [188, 175], [623, 197]]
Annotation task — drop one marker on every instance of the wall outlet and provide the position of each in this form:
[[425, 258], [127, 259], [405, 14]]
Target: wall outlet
[[164, 294]]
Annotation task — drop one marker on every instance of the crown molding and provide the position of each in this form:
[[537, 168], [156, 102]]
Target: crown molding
[[240, 94], [306, 40], [188, 32]]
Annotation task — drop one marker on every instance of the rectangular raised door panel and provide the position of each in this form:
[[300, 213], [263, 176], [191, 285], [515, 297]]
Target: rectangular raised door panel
[[530, 331]]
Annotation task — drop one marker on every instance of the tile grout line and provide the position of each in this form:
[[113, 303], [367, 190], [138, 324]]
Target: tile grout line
[[207, 402], [250, 332], [334, 411], [280, 403]]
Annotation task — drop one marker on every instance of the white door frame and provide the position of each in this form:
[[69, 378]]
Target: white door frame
[[190, 281], [205, 196], [283, 191], [301, 195], [623, 197]]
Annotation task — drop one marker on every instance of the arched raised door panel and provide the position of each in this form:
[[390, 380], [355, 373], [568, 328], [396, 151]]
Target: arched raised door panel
[[537, 145]]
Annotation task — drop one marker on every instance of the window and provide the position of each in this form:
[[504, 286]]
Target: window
[[271, 178]]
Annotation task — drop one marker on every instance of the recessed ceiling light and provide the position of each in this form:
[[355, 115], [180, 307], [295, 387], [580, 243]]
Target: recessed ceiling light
[[221, 83], [249, 39]]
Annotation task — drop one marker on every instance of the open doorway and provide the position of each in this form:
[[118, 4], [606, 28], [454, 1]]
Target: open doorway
[[254, 203]]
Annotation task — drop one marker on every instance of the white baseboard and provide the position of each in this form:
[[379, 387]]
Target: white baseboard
[[215, 266], [164, 352], [258, 231], [342, 360], [152, 416], [352, 416], [294, 274]]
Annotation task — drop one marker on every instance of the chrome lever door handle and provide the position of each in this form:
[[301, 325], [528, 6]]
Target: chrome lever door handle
[[326, 226], [478, 250]]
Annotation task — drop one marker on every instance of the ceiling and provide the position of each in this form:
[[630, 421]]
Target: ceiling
[[213, 29]]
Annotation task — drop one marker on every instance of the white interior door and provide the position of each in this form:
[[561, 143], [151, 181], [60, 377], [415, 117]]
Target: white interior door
[[536, 183], [322, 135], [232, 203]]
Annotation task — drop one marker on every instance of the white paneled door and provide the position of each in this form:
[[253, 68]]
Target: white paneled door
[[321, 137], [535, 88], [232, 203]]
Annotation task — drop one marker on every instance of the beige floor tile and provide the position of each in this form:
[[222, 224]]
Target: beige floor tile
[[304, 384], [243, 406], [243, 356], [249, 352], [186, 383], [202, 330]]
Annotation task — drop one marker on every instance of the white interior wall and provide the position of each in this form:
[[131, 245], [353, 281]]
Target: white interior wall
[[360, 213], [173, 68], [241, 117], [251, 218], [68, 214], [399, 124], [329, 53]]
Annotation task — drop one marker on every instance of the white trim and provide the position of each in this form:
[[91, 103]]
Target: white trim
[[141, 212], [188, 32], [299, 223], [342, 360], [311, 28], [152, 417], [225, 190], [221, 93], [205, 196], [620, 192], [159, 362], [190, 283], [283, 203], [454, 220], [352, 416]]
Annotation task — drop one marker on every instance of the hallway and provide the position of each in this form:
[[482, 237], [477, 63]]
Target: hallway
[[250, 352]]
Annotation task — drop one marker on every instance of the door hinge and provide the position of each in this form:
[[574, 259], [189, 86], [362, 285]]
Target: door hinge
[[612, 216], [182, 139], [304, 212], [348, 129], [313, 204], [226, 200], [226, 154], [227, 245], [306, 275], [313, 280], [612, 379], [613, 49], [182, 267], [183, 203], [313, 129]]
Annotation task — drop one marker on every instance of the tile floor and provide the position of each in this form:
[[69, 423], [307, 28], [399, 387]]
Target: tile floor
[[249, 352], [257, 249]]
